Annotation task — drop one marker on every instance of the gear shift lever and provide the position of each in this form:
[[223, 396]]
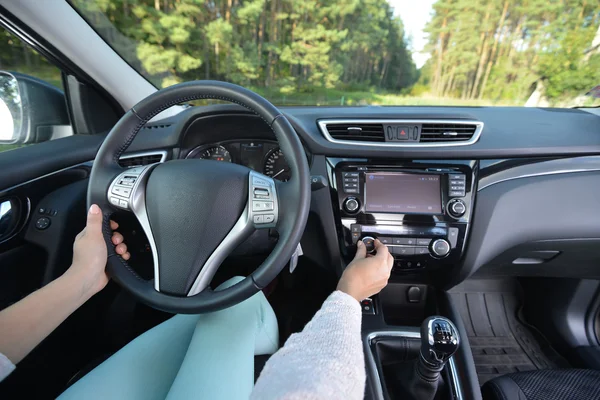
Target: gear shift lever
[[421, 379], [439, 341]]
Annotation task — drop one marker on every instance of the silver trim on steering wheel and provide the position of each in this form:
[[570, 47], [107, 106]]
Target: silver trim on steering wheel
[[135, 201], [262, 203]]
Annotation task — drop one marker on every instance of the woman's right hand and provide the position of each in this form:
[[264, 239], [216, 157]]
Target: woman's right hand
[[366, 275]]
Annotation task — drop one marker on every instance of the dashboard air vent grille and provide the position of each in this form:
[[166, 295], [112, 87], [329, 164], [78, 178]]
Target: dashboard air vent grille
[[137, 161], [443, 132], [157, 126], [357, 132]]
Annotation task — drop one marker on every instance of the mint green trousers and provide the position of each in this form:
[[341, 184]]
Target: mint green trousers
[[207, 356]]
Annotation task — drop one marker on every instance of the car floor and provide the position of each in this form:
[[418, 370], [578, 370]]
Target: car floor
[[500, 340]]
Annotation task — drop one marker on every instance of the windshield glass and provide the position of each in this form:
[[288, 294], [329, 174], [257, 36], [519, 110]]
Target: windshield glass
[[359, 52]]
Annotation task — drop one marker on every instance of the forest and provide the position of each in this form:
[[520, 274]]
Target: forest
[[349, 52]]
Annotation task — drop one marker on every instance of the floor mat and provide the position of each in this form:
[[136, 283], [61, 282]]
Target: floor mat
[[500, 342]]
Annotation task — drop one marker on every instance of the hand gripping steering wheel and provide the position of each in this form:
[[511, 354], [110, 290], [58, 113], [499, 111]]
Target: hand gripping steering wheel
[[195, 212]]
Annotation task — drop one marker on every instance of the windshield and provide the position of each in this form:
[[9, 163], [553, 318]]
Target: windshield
[[365, 52]]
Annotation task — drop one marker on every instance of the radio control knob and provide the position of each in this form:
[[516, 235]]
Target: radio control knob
[[369, 243], [457, 208], [351, 204], [440, 248]]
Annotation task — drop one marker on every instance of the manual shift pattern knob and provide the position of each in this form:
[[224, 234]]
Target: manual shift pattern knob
[[439, 341]]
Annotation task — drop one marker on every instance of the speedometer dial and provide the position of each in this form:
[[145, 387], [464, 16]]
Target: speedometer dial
[[275, 165], [216, 153]]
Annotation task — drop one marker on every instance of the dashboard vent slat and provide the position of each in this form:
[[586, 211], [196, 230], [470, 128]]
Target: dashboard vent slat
[[357, 132], [432, 132], [141, 160]]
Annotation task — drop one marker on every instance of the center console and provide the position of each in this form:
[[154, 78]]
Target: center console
[[420, 211]]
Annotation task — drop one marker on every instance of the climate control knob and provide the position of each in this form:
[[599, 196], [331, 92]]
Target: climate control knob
[[369, 244], [440, 248], [457, 208], [351, 205]]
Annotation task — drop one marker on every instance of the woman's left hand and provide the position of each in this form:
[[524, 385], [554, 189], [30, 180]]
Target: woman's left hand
[[90, 253]]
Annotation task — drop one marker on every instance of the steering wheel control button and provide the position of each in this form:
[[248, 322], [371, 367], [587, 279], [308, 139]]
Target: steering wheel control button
[[42, 223], [263, 199], [262, 194], [440, 248], [351, 205], [123, 204], [121, 191], [260, 182], [114, 201], [262, 206], [369, 243]]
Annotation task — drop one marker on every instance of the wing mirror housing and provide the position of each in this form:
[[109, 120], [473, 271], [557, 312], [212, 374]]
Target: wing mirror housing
[[31, 110]]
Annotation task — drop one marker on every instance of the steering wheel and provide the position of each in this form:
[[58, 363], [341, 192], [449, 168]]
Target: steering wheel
[[195, 212]]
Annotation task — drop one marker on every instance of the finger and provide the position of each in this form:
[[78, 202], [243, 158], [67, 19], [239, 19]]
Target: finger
[[361, 250], [121, 249], [80, 234], [94, 219], [117, 238], [382, 250], [390, 262], [113, 225], [126, 256]]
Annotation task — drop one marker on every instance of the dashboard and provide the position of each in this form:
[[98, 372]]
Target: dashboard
[[519, 198], [259, 155]]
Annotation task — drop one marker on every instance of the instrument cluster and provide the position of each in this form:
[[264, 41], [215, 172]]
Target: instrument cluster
[[260, 155]]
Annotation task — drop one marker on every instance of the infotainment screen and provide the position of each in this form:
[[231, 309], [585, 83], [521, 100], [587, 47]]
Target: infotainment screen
[[398, 192]]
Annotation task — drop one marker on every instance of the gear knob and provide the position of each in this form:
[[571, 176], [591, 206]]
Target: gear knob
[[439, 341]]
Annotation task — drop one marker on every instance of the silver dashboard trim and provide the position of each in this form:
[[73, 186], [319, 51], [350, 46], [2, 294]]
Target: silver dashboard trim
[[407, 333], [478, 129], [544, 168]]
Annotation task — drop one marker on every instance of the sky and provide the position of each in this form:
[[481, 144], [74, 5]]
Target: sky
[[415, 14]]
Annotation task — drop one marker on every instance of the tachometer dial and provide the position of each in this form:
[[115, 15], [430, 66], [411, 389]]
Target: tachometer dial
[[216, 153], [275, 165]]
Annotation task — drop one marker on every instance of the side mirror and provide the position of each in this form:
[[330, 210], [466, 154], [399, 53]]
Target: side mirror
[[31, 110]]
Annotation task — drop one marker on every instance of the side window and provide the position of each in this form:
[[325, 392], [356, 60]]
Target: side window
[[32, 101]]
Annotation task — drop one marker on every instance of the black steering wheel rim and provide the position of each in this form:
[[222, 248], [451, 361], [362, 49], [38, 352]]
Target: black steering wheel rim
[[293, 195]]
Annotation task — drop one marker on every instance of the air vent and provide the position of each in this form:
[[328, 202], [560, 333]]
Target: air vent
[[140, 160], [434, 133], [156, 126], [356, 132]]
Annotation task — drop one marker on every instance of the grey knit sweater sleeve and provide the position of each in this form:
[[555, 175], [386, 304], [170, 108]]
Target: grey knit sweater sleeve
[[324, 361]]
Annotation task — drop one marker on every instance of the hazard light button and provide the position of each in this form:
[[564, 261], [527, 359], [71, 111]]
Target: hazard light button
[[403, 133]]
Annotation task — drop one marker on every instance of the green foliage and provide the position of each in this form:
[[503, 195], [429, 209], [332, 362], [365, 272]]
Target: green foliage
[[514, 44], [288, 45]]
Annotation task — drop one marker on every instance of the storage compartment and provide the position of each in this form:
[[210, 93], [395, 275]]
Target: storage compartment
[[406, 304]]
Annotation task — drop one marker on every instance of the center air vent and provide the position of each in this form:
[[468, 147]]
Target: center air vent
[[443, 132], [402, 132], [141, 159], [356, 132]]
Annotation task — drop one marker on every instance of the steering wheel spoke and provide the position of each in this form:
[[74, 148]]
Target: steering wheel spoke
[[128, 192]]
